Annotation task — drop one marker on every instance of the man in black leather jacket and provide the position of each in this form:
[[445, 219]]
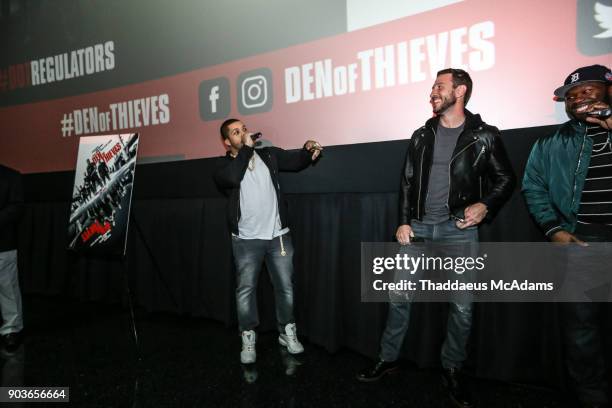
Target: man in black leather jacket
[[457, 174]]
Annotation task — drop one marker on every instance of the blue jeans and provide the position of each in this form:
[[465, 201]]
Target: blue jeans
[[249, 254], [459, 323]]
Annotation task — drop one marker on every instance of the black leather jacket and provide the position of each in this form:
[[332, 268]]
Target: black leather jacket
[[479, 170]]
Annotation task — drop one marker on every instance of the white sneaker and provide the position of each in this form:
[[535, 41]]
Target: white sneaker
[[248, 354], [290, 340]]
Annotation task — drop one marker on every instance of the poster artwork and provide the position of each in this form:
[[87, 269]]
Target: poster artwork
[[102, 193]]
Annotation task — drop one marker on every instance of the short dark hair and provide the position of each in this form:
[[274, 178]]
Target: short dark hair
[[460, 77], [224, 129]]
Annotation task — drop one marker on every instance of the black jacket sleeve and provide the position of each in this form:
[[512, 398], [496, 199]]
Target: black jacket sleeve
[[11, 212], [292, 160], [229, 174], [406, 187], [501, 175]]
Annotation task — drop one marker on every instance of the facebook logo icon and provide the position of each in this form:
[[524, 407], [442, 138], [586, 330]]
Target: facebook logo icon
[[214, 99]]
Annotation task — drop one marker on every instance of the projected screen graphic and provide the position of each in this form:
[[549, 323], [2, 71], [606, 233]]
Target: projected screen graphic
[[370, 83]]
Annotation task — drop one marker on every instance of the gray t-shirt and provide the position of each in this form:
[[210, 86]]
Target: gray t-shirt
[[437, 191], [259, 217]]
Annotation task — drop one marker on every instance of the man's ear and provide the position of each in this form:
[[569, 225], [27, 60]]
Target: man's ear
[[227, 142], [460, 91]]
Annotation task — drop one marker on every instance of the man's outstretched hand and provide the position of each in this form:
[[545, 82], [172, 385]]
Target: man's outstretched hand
[[314, 148]]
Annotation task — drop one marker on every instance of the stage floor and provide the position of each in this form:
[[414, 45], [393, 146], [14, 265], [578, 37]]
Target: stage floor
[[190, 362]]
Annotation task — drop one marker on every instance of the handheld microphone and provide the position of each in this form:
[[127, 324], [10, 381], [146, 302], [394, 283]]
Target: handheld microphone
[[256, 136], [261, 143], [602, 113]]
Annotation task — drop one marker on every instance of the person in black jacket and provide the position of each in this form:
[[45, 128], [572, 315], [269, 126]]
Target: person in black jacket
[[11, 207], [456, 175], [257, 218]]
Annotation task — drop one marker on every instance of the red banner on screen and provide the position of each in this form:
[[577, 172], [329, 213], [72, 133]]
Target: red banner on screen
[[363, 86]]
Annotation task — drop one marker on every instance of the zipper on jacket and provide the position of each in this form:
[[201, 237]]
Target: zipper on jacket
[[578, 167], [449, 171], [421, 174], [421, 182], [482, 150]]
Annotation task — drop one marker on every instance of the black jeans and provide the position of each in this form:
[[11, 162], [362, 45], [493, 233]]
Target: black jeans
[[584, 358]]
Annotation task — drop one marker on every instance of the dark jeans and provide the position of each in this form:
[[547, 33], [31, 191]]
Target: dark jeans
[[584, 358], [249, 254], [459, 323]]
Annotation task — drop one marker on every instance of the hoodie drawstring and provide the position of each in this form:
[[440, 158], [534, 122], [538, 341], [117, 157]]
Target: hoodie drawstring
[[283, 252]]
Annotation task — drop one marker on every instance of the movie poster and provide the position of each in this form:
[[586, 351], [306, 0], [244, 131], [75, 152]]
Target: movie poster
[[102, 194]]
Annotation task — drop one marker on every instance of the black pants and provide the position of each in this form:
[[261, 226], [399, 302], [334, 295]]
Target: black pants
[[584, 358], [581, 324]]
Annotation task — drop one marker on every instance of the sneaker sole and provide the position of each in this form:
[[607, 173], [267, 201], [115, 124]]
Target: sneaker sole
[[284, 344], [247, 361], [372, 379]]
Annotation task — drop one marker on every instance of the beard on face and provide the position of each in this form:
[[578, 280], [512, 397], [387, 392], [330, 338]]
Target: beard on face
[[447, 102]]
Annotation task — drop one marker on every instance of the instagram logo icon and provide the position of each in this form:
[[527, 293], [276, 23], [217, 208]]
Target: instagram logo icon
[[255, 91]]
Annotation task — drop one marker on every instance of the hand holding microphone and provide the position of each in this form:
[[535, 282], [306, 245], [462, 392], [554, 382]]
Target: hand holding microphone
[[600, 114], [258, 142], [249, 139]]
